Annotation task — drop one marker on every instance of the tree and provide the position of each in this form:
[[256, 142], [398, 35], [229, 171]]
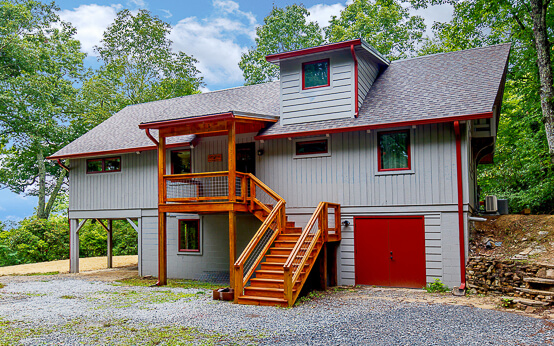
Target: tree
[[138, 66], [40, 63], [283, 30], [525, 23], [385, 24]]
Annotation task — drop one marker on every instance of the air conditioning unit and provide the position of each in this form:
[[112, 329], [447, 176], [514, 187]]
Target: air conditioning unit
[[491, 204]]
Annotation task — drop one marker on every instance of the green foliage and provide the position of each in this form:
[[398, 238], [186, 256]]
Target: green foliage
[[37, 240], [436, 287], [385, 24], [283, 30], [171, 283], [138, 66], [507, 302]]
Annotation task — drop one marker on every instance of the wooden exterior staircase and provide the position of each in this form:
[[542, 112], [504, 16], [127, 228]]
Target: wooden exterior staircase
[[276, 263]]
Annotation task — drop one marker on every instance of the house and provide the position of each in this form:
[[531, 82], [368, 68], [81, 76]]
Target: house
[[351, 169]]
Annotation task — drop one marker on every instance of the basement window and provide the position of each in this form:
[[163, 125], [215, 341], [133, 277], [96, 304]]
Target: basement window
[[315, 74], [394, 151], [189, 235], [104, 165]]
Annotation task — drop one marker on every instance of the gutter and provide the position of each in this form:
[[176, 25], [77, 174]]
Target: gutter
[[151, 137], [63, 166], [460, 204], [356, 112]]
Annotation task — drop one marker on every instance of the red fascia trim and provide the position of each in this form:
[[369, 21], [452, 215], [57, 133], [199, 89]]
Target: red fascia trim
[[328, 74], [356, 112], [379, 163], [112, 152], [460, 203], [378, 126], [312, 50], [187, 121]]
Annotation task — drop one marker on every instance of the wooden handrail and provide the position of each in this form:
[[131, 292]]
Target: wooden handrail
[[266, 188], [303, 236], [196, 175]]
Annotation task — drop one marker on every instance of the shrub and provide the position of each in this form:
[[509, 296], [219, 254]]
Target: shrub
[[436, 286]]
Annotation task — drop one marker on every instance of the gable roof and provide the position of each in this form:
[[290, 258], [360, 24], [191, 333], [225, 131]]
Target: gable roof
[[436, 88], [120, 133], [429, 89]]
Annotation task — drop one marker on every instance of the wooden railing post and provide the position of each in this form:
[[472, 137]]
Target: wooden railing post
[[232, 161], [252, 193], [239, 273], [287, 285], [338, 229], [244, 188], [325, 222]]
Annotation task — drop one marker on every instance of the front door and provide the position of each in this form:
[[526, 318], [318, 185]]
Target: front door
[[390, 251], [246, 158]]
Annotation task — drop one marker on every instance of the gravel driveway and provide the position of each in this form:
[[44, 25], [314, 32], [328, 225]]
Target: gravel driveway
[[70, 310]]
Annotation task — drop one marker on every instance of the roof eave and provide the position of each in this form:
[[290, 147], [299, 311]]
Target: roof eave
[[114, 152]]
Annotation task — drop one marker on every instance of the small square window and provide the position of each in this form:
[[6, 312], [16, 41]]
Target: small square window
[[315, 74], [180, 162], [394, 150], [189, 235], [108, 164]]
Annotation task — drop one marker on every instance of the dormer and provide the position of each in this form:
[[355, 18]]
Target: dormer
[[326, 82]]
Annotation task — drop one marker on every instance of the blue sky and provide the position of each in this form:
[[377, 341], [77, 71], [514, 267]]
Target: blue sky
[[215, 32]]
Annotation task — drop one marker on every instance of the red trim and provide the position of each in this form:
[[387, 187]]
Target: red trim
[[62, 165], [328, 74], [103, 160], [312, 50], [356, 112], [187, 121], [460, 204], [377, 126], [313, 152], [380, 164], [197, 235], [112, 152]]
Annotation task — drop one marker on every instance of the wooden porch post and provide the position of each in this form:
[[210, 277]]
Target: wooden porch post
[[110, 244], [232, 247], [232, 161], [162, 238]]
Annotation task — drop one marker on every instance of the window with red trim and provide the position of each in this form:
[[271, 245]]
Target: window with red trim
[[315, 74], [180, 161], [189, 235], [104, 165], [312, 147], [394, 150]]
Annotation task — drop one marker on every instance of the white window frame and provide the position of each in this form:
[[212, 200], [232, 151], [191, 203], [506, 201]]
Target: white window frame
[[180, 217], [309, 156], [412, 152]]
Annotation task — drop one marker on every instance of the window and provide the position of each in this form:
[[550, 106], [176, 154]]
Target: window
[[189, 235], [313, 147], [105, 165], [180, 161], [315, 74], [394, 150]]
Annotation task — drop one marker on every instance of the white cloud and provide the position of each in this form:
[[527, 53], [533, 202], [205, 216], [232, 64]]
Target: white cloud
[[137, 3], [322, 13], [438, 13], [213, 41], [90, 21], [168, 14]]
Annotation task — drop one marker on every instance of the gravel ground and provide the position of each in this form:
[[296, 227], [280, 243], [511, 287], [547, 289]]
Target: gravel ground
[[74, 311]]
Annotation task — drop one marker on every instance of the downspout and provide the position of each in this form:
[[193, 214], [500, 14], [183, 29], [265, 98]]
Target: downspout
[[62, 165], [460, 204], [356, 112], [151, 137]]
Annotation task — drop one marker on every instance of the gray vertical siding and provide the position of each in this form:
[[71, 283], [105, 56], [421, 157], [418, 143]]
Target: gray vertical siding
[[134, 187], [349, 176], [332, 102], [367, 73]]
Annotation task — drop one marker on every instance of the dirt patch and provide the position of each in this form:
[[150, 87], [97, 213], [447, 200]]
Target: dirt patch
[[85, 264], [524, 237]]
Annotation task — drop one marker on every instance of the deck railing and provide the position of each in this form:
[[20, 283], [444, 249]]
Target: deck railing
[[204, 187], [313, 236]]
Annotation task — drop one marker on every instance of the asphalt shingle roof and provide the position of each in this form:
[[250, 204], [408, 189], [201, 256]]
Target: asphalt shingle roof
[[424, 88]]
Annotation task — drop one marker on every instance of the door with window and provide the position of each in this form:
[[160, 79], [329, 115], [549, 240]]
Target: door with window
[[246, 157], [390, 251]]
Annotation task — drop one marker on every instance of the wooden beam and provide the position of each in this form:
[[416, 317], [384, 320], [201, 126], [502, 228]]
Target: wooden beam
[[162, 250], [194, 129], [161, 170], [204, 208], [109, 253], [323, 267], [232, 247], [232, 161]]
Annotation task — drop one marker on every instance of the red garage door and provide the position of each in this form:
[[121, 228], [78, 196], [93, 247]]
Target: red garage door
[[390, 251]]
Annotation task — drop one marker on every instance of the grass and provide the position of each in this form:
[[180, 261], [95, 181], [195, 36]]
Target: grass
[[120, 332], [129, 298], [2, 285], [170, 283], [38, 274]]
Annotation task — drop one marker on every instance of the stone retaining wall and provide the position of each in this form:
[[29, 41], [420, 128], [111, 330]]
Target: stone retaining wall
[[503, 277]]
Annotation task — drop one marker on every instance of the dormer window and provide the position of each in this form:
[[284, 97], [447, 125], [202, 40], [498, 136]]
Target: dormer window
[[315, 74]]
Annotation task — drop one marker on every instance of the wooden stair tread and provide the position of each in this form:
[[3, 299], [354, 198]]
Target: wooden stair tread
[[267, 271], [267, 299], [266, 289]]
